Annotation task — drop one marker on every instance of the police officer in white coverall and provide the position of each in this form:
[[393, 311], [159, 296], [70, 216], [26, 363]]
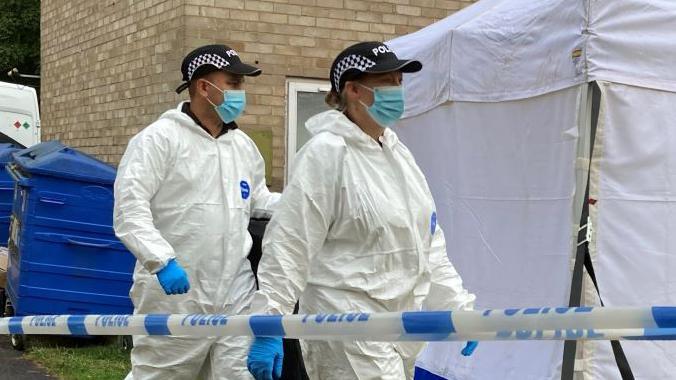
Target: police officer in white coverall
[[356, 228], [185, 190]]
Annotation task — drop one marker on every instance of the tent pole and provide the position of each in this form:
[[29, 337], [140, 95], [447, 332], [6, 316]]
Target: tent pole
[[590, 104]]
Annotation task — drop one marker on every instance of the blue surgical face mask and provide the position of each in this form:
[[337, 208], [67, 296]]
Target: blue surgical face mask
[[388, 104], [232, 106]]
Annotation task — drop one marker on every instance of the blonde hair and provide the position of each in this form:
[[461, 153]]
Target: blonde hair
[[336, 101]]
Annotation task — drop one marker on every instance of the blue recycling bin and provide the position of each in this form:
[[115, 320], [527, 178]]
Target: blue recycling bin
[[64, 257], [6, 191]]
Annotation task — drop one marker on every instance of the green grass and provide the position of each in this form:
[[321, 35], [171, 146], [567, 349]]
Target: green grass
[[79, 359]]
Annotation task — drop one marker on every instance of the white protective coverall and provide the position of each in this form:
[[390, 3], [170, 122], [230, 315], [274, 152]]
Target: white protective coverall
[[181, 193], [355, 231]]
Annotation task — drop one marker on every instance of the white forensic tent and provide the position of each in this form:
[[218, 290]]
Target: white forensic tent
[[499, 120]]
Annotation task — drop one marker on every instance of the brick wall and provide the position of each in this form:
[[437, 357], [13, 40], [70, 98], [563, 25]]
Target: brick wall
[[109, 67]]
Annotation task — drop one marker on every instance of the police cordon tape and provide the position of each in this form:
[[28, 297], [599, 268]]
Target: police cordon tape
[[563, 323]]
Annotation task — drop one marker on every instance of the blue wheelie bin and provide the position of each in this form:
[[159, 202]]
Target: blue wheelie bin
[[6, 191], [64, 257]]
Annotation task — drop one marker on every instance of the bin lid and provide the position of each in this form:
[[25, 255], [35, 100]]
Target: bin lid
[[52, 158], [6, 150]]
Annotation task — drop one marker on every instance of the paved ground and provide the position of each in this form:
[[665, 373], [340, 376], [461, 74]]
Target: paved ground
[[14, 367]]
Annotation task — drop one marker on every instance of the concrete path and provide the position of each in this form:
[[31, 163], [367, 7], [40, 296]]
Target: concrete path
[[14, 367]]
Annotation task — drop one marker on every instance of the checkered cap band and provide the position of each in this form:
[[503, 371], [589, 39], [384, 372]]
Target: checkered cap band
[[212, 59], [353, 61]]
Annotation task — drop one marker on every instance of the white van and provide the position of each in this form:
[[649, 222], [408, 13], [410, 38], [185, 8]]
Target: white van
[[19, 115]]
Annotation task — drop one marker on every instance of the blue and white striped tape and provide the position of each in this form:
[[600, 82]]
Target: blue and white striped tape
[[581, 323]]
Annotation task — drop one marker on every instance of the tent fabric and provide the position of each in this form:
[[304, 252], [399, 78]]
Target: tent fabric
[[503, 177], [634, 183], [493, 119], [633, 42], [490, 72], [482, 53], [499, 50]]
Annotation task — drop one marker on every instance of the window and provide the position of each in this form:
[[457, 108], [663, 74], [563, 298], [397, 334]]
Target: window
[[305, 99]]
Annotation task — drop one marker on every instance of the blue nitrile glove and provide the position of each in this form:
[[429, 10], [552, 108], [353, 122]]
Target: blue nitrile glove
[[173, 278], [469, 348], [265, 358]]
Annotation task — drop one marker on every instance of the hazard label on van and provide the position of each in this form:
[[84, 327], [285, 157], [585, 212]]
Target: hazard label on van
[[17, 124]]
